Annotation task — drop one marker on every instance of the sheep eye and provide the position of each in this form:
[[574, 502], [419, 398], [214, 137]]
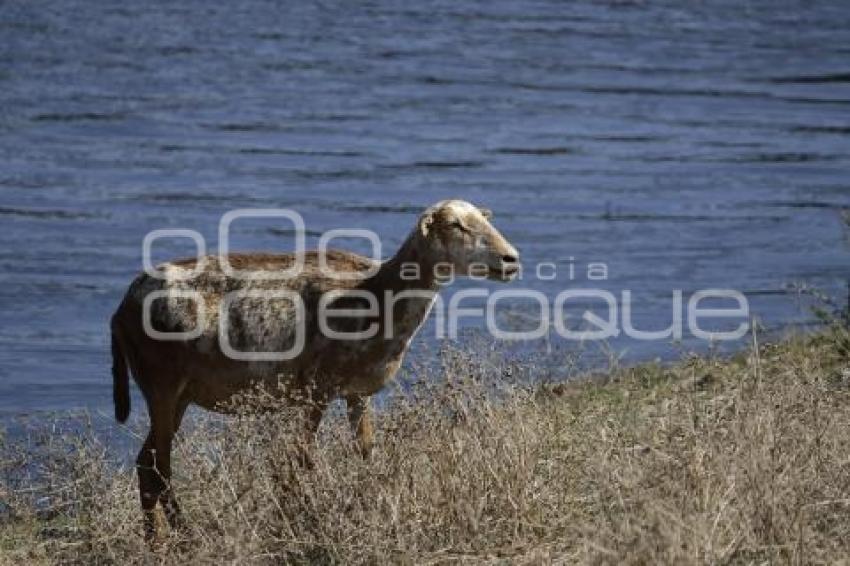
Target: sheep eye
[[457, 224]]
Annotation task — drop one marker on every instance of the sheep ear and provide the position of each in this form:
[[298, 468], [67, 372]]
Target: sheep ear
[[425, 223], [488, 214]]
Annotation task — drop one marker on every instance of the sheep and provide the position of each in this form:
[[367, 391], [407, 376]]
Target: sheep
[[233, 314]]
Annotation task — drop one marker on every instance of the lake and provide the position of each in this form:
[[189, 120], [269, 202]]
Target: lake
[[687, 145]]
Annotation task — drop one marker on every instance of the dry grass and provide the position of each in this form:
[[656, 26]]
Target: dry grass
[[709, 461]]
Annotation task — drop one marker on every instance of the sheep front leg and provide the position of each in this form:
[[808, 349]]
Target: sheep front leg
[[313, 412], [360, 418]]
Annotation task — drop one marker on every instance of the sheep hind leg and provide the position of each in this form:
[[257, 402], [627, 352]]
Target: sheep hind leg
[[154, 466], [149, 487], [167, 498]]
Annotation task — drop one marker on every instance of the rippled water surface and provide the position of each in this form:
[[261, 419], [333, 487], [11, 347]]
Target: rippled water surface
[[685, 144]]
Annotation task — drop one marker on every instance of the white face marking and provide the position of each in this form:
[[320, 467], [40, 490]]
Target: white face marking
[[461, 209]]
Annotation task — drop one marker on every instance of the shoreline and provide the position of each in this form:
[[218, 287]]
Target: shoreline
[[740, 458]]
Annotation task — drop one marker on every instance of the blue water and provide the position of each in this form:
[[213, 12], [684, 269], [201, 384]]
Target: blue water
[[686, 145]]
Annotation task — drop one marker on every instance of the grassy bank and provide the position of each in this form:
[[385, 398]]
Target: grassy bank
[[742, 460]]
